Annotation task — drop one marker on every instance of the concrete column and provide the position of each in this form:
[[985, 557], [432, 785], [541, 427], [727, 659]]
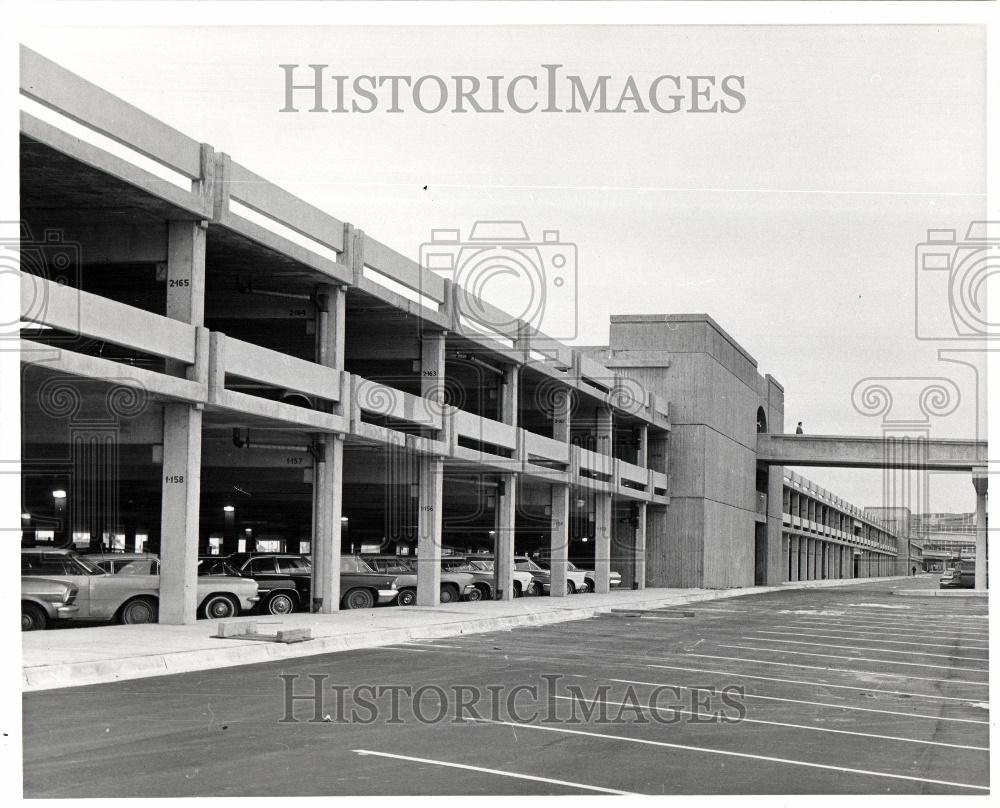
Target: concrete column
[[980, 483], [506, 513], [509, 397], [559, 538], [639, 579], [803, 558], [429, 531], [603, 432], [432, 365], [328, 479], [181, 495], [328, 467], [775, 568], [793, 561], [562, 411], [642, 454], [603, 511], [179, 521]]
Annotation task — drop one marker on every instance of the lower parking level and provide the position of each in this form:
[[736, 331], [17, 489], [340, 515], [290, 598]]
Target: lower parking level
[[846, 689]]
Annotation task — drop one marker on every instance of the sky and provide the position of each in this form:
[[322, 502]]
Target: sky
[[793, 223]]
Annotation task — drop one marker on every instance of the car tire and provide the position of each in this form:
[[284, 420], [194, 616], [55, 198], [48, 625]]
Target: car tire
[[358, 599], [485, 592], [138, 611], [570, 588], [281, 603], [406, 597], [588, 586], [33, 618], [535, 589], [518, 591], [474, 595], [449, 594], [219, 607]]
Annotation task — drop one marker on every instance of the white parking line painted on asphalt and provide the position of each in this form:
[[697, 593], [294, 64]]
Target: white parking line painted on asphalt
[[841, 670], [812, 703], [845, 635], [500, 772], [929, 696], [857, 659], [876, 650], [866, 620], [727, 753], [808, 727], [909, 632]]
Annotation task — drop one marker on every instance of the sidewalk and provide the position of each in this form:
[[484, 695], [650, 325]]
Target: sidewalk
[[82, 656]]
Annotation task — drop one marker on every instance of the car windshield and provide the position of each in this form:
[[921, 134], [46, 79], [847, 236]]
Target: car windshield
[[479, 564], [354, 564], [526, 564]]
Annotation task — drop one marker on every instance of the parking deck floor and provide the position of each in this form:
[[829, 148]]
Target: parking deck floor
[[827, 690]]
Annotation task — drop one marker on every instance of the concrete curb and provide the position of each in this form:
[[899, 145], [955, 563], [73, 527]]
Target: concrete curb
[[235, 652], [941, 593]]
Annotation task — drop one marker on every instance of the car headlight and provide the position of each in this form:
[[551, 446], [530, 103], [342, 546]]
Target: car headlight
[[70, 595]]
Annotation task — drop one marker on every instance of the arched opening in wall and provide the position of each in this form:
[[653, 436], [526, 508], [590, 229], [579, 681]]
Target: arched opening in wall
[[761, 420]]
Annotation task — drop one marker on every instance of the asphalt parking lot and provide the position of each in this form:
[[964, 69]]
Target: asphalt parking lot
[[839, 690]]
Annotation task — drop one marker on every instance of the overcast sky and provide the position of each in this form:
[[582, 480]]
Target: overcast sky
[[793, 223]]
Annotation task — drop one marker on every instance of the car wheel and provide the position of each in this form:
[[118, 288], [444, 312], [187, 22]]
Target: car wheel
[[570, 588], [406, 597], [588, 586], [219, 607], [535, 589], [474, 595], [518, 592], [448, 594], [281, 603], [358, 599], [32, 617], [485, 593], [138, 611]]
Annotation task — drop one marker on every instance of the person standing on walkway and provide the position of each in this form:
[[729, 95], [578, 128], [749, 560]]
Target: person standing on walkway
[[798, 428]]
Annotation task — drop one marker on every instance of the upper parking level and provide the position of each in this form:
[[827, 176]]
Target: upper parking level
[[114, 193]]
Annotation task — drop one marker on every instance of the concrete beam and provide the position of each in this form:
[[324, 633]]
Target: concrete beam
[[870, 452]]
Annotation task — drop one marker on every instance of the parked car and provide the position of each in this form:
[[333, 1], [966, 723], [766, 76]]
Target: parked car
[[131, 595], [524, 581], [481, 579], [962, 576], [577, 580], [283, 580], [45, 600], [454, 585], [589, 576], [361, 586]]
